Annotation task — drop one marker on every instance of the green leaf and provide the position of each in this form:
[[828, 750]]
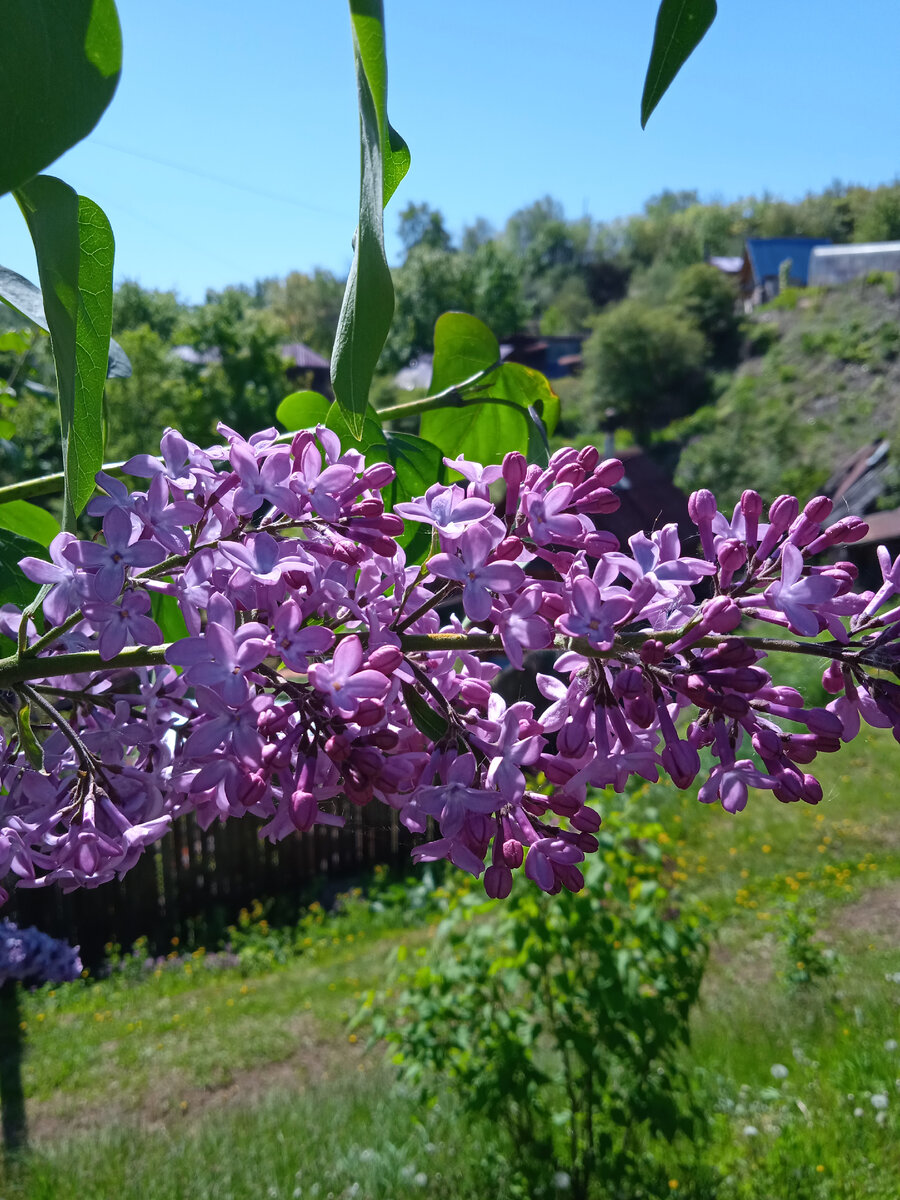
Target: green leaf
[[426, 719], [418, 464], [75, 247], [368, 303], [463, 346], [29, 743], [29, 520], [166, 612], [59, 62], [7, 429], [485, 431], [303, 410], [15, 341], [22, 295], [14, 587], [680, 26], [370, 432]]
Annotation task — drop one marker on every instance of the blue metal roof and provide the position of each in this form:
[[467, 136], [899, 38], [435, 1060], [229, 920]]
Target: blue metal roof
[[767, 254]]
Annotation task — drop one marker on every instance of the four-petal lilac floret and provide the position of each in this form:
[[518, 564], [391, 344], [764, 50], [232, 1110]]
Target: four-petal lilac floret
[[110, 562], [471, 568]]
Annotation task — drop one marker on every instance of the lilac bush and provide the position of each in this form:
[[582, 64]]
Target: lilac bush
[[33, 957], [320, 669]]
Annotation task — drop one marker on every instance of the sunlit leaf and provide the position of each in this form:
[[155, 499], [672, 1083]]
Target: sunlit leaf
[[59, 62], [303, 410], [75, 248], [29, 520], [680, 26], [425, 718], [368, 303], [511, 397]]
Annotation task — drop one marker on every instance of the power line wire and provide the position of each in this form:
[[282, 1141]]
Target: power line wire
[[222, 180]]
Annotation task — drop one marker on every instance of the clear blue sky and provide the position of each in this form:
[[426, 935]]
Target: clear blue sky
[[501, 103]]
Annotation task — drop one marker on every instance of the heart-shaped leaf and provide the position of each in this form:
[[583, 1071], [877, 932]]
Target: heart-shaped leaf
[[303, 410]]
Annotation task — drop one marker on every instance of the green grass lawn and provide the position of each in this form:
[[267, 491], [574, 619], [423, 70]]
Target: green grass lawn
[[194, 1082]]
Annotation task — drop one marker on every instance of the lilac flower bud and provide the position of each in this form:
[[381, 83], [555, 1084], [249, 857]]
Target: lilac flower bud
[[514, 470], [751, 509], [589, 457], [732, 555], [475, 693], [587, 820], [629, 682], [376, 477], [640, 711], [681, 762], [653, 652], [833, 678], [509, 548], [844, 532], [702, 509], [783, 512], [498, 881], [600, 542], [385, 659], [572, 473], [610, 472], [513, 854]]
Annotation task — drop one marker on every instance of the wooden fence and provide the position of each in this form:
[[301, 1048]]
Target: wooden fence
[[193, 883]]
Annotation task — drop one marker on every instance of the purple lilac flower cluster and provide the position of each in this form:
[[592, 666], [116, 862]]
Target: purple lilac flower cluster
[[34, 957], [322, 669]]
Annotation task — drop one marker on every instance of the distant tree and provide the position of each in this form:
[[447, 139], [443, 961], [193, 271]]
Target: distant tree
[[708, 299], [429, 283], [422, 225], [477, 234], [162, 390], [571, 311], [487, 283], [880, 217], [646, 363], [307, 307], [497, 288], [550, 248], [134, 306], [605, 281], [245, 388]]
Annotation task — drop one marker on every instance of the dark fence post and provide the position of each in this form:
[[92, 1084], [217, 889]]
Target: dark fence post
[[12, 1093]]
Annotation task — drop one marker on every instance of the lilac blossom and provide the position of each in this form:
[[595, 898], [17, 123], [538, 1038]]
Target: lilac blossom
[[68, 584], [110, 562], [446, 508], [123, 624], [471, 568], [315, 651]]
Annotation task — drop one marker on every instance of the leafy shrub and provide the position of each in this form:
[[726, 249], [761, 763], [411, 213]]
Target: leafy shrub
[[647, 363], [807, 959], [561, 1020], [709, 300]]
